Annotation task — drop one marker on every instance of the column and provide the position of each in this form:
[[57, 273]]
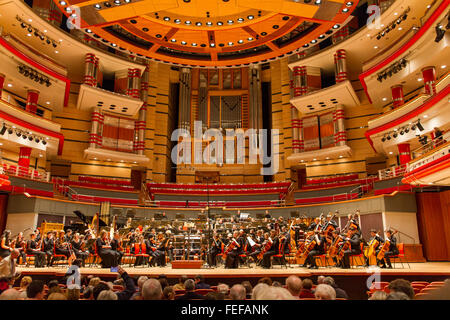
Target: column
[[429, 79], [397, 96], [340, 62], [404, 153], [32, 101], [24, 157], [95, 137], [2, 82], [340, 136], [133, 83], [255, 103], [341, 34], [140, 124], [90, 70], [184, 118], [299, 81], [298, 88]]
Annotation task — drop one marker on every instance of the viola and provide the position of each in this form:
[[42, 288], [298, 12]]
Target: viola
[[344, 247], [300, 249]]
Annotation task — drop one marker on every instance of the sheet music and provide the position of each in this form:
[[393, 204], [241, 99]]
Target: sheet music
[[250, 240]]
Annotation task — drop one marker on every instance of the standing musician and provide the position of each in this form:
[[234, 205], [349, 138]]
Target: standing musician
[[273, 250], [232, 259], [392, 251], [109, 257], [216, 248], [317, 250], [77, 247], [355, 247], [116, 244], [5, 244], [374, 237], [49, 244], [33, 248]]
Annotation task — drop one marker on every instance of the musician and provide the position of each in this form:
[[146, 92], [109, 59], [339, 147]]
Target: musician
[[392, 251], [61, 246], [141, 249], [273, 250], [318, 249], [232, 259], [160, 253], [77, 247], [33, 248], [355, 247], [68, 236], [353, 220], [115, 245], [109, 257], [38, 234], [150, 244], [215, 248], [20, 245], [314, 225], [374, 237], [285, 235], [331, 221], [5, 245], [48, 247]]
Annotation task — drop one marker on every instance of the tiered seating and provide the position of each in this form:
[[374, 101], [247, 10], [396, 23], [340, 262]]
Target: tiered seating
[[421, 288], [228, 204], [88, 198], [403, 187], [99, 185], [24, 172], [333, 179]]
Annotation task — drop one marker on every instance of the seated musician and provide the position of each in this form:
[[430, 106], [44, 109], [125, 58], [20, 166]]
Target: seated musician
[[33, 249], [273, 250], [20, 245], [318, 250], [336, 242], [160, 253], [331, 221], [140, 247], [151, 249], [374, 236], [61, 246], [48, 247], [353, 220], [392, 251], [287, 238], [77, 247], [109, 257], [314, 224], [68, 236], [355, 247], [232, 259], [5, 245], [215, 249], [255, 249], [115, 245]]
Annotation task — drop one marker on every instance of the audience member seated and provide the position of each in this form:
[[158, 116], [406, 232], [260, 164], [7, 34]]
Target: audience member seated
[[379, 295], [200, 282], [138, 294], [190, 294], [294, 285], [401, 285], [275, 293], [168, 293], [397, 296], [121, 295], [180, 284], [248, 289], [151, 290], [258, 290], [238, 292], [35, 290], [223, 288], [57, 296], [107, 295], [10, 294], [325, 292], [340, 293], [306, 291]]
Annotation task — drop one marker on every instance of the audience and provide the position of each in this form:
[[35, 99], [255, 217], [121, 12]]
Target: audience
[[190, 294], [223, 288], [340, 293], [238, 292], [248, 289], [325, 292], [294, 286], [401, 285], [57, 296], [168, 293], [275, 293], [107, 295], [35, 290], [258, 289], [200, 282], [10, 294], [265, 280], [140, 282], [306, 291], [151, 290], [180, 284], [397, 295], [379, 295]]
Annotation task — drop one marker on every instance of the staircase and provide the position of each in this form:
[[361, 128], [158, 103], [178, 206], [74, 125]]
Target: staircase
[[288, 197]]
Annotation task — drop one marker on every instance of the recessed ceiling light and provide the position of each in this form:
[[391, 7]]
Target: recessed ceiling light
[[336, 26], [425, 116], [183, 42], [400, 29], [188, 22], [376, 47], [177, 21], [390, 152], [45, 30], [230, 21], [95, 158], [194, 44], [9, 85], [114, 45], [212, 45], [250, 39], [443, 66], [420, 79], [173, 40], [314, 159], [97, 6], [396, 13], [198, 24], [302, 160], [384, 99], [340, 156], [345, 10], [314, 41], [241, 41], [220, 23], [327, 158], [29, 34], [63, 3], [166, 19], [230, 43], [48, 102], [209, 23], [240, 19], [56, 51], [250, 17]]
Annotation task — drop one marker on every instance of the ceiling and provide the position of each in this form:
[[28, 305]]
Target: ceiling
[[207, 32]]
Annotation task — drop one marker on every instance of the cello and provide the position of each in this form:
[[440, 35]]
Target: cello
[[230, 247], [266, 248], [385, 247]]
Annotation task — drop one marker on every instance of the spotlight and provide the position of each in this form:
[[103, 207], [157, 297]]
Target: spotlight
[[395, 135], [48, 41], [23, 25], [3, 130], [379, 37], [406, 129], [383, 139], [402, 131], [413, 127], [47, 82], [44, 142], [24, 137], [30, 138], [405, 16], [440, 32], [419, 125], [30, 29], [54, 44], [388, 137], [37, 140]]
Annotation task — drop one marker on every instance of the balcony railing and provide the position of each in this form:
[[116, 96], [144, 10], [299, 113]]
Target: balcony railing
[[23, 172], [392, 172]]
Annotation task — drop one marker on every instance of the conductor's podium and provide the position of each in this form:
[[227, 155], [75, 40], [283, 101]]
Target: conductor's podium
[[187, 264]]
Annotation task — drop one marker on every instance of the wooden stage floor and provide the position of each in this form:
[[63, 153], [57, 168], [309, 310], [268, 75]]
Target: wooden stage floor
[[441, 269]]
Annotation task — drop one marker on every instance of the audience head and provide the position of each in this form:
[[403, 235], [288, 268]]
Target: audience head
[[265, 280], [397, 295], [248, 288], [35, 290], [258, 289], [151, 290], [237, 292], [325, 292], [274, 293], [10, 294], [329, 281], [73, 294], [183, 279], [223, 288], [57, 296], [141, 281], [294, 285], [378, 295], [164, 283], [168, 293], [199, 278], [14, 254], [402, 285], [107, 295], [320, 279], [307, 284], [189, 285], [99, 288], [25, 282]]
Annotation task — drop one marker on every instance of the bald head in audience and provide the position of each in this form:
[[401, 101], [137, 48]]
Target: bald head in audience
[[237, 292], [294, 285], [151, 290]]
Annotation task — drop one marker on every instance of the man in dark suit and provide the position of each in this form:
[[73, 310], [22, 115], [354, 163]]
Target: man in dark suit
[[318, 249], [232, 259], [272, 251], [48, 248], [189, 286], [200, 282], [392, 251], [355, 247]]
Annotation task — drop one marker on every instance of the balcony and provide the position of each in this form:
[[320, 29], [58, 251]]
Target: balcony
[[111, 102], [320, 155], [341, 93], [114, 156]]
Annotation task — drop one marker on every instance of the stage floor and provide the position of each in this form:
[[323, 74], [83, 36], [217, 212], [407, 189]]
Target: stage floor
[[417, 269]]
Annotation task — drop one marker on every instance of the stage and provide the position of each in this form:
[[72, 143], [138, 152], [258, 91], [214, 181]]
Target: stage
[[352, 280]]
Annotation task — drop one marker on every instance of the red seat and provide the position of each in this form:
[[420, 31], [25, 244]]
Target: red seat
[[203, 291], [400, 256]]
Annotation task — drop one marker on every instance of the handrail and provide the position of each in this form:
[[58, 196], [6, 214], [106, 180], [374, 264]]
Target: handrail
[[23, 172], [392, 172], [433, 144]]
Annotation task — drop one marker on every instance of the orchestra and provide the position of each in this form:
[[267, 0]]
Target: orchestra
[[307, 241]]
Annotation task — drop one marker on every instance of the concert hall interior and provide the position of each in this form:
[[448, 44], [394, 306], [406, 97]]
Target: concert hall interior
[[229, 139]]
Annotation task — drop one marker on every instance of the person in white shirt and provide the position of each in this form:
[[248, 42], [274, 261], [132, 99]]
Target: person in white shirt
[[8, 265]]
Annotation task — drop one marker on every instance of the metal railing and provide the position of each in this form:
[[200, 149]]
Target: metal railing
[[431, 145], [23, 172], [392, 172]]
